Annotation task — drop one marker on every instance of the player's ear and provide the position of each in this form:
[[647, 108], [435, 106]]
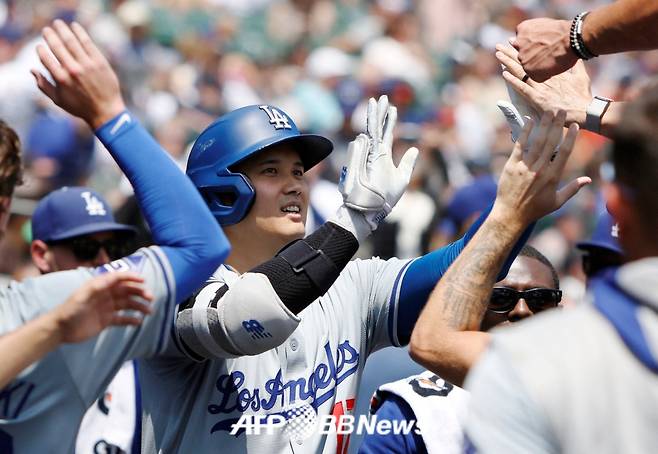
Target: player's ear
[[40, 256], [617, 203]]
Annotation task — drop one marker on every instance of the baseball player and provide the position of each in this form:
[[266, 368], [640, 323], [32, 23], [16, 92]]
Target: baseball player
[[74, 227], [88, 306], [438, 407], [584, 380], [602, 250], [41, 409], [302, 359]]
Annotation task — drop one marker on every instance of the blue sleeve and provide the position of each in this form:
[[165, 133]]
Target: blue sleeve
[[424, 272], [393, 409], [180, 222]]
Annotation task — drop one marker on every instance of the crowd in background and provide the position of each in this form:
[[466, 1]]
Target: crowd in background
[[182, 63]]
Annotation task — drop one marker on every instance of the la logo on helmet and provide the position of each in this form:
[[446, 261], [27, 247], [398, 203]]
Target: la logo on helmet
[[277, 119]]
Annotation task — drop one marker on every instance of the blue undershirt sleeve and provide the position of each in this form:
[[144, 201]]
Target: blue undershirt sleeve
[[424, 272], [180, 222], [392, 409]]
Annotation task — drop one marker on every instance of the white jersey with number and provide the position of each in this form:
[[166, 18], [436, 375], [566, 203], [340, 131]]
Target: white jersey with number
[[191, 406], [440, 408], [109, 425]]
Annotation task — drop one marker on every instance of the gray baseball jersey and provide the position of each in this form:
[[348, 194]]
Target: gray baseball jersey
[[568, 381], [40, 410], [191, 406]]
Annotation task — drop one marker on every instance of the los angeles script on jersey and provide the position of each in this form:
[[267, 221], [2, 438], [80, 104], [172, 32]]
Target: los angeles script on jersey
[[326, 376]]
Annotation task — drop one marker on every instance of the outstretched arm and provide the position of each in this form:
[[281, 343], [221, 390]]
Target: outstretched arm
[[445, 338], [92, 308], [86, 86], [621, 26]]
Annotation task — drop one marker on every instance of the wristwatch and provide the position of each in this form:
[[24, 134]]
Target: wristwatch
[[595, 111]]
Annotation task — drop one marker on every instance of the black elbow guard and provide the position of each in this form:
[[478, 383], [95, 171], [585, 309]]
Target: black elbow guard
[[305, 269]]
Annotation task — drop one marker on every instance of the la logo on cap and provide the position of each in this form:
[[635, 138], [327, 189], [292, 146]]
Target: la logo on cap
[[615, 230], [94, 206]]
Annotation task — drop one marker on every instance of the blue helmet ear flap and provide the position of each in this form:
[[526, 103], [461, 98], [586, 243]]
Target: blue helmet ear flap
[[229, 197]]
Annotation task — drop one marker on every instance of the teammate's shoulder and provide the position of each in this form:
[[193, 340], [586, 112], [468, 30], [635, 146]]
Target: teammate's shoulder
[[134, 262]]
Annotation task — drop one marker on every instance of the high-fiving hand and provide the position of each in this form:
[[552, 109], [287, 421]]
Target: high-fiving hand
[[528, 186], [569, 91], [84, 83], [371, 183], [100, 303]]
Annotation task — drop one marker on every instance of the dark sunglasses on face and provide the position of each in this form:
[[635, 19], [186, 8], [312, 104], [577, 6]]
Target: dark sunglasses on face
[[503, 299], [86, 248]]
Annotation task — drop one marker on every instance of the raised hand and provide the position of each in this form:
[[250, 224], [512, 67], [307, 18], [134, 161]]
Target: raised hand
[[371, 183], [84, 83], [544, 48], [100, 303], [569, 91], [528, 186]]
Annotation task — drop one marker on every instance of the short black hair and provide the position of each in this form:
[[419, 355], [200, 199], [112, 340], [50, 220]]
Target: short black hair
[[531, 252]]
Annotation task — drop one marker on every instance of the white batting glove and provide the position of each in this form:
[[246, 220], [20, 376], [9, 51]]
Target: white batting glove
[[371, 185], [516, 112]]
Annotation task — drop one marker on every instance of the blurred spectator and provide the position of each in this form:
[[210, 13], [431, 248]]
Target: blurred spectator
[[58, 151], [466, 205]]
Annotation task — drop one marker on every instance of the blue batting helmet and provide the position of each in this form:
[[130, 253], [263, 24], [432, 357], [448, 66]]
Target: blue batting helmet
[[234, 137]]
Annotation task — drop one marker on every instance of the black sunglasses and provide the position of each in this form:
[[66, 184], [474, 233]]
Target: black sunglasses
[[503, 299], [86, 248]]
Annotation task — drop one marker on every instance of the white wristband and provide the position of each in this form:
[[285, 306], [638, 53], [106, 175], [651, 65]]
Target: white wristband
[[595, 111]]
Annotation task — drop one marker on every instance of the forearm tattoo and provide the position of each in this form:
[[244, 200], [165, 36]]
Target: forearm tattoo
[[465, 288]]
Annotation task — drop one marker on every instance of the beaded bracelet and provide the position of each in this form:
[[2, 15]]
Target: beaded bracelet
[[576, 38]]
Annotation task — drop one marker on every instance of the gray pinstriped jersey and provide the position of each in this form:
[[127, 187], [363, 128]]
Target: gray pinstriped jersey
[[40, 410]]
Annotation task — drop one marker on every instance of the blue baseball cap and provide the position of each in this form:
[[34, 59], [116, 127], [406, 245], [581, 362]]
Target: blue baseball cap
[[73, 211], [605, 236]]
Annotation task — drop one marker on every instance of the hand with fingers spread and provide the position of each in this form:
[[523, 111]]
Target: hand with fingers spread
[[90, 309], [527, 189], [100, 303], [84, 83], [569, 91], [371, 183]]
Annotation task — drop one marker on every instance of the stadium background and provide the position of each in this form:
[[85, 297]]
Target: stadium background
[[184, 62]]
